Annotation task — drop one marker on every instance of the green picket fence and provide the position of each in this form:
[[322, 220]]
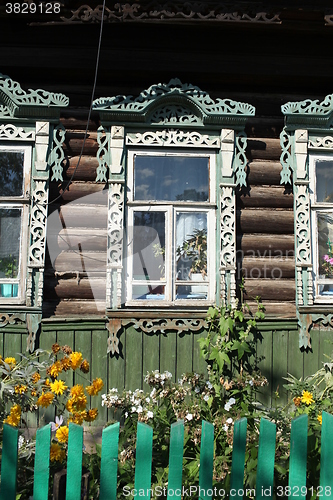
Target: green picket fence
[[142, 481]]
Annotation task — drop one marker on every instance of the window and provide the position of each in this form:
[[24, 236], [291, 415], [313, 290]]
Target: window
[[321, 196], [171, 228], [15, 166]]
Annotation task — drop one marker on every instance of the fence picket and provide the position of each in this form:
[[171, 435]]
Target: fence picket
[[42, 463], [206, 460], [298, 456], [176, 460], [326, 458], [143, 460], [9, 463], [74, 462], [266, 458], [238, 458], [109, 462]]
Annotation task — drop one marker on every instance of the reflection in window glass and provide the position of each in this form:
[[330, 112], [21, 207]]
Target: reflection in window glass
[[191, 246], [11, 173], [324, 185], [10, 229], [171, 178], [325, 252], [149, 245]]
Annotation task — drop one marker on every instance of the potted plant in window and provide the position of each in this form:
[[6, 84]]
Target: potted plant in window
[[194, 251], [9, 267]]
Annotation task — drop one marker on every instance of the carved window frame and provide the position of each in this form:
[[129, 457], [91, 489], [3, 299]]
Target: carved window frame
[[307, 135], [29, 120], [175, 117]]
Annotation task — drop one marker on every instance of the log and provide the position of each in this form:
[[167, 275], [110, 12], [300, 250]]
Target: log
[[267, 289], [263, 245], [266, 221], [75, 215], [276, 310], [264, 172], [91, 192], [74, 142], [263, 126], [71, 261], [86, 239], [77, 308], [263, 149], [268, 268], [86, 171], [77, 120], [86, 288], [257, 196]]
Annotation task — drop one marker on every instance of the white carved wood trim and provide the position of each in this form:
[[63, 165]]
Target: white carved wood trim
[[117, 149], [170, 137], [321, 143], [301, 152], [115, 243], [42, 144], [302, 225], [9, 131], [227, 151]]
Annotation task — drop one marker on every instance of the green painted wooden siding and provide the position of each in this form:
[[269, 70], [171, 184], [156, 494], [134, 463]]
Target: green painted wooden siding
[[278, 354]]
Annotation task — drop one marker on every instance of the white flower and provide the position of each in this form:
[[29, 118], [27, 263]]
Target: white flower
[[20, 442], [133, 409], [150, 414], [197, 390], [229, 420], [251, 382], [168, 375], [225, 428], [206, 397], [209, 385], [152, 394], [147, 400], [126, 414], [229, 404], [189, 416], [139, 409], [55, 425]]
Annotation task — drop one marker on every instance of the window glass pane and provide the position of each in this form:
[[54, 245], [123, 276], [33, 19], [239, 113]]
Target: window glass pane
[[191, 246], [10, 230], [149, 245], [171, 178], [193, 292], [11, 173], [324, 185], [148, 292], [325, 251]]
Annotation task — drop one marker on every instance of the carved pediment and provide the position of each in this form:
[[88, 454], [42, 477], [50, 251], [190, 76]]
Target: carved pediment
[[18, 103]]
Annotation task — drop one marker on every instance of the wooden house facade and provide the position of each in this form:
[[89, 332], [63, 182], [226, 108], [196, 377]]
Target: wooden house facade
[[207, 120]]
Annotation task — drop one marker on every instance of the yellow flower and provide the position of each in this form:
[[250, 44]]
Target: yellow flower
[[57, 454], [35, 378], [320, 419], [84, 366], [76, 359], [62, 434], [307, 397], [10, 361], [66, 363], [14, 416], [20, 389], [55, 369], [58, 387], [77, 391], [96, 386], [55, 348], [77, 404], [91, 415], [297, 401], [78, 417], [45, 399]]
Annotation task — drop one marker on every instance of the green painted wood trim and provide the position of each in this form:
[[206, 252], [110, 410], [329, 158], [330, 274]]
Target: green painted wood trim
[[176, 460], [42, 463], [298, 455], [326, 459], [9, 463], [238, 457], [109, 462], [143, 461], [206, 460], [79, 324], [74, 462], [266, 458]]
